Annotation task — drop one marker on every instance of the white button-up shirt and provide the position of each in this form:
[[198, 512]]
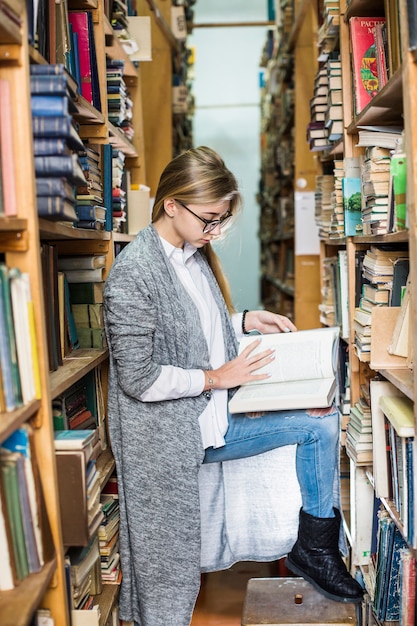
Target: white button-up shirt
[[175, 382]]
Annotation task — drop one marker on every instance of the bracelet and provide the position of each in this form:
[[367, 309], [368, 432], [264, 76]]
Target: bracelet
[[244, 331], [209, 391]]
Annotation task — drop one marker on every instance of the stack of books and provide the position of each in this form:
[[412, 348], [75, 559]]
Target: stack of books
[[119, 103], [56, 142], [119, 200], [328, 35], [337, 222], [84, 574], [71, 410], [87, 310], [108, 534], [89, 198], [79, 485], [323, 203], [359, 433], [25, 536], [375, 178]]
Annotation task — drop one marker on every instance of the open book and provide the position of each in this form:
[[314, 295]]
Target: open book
[[303, 373]]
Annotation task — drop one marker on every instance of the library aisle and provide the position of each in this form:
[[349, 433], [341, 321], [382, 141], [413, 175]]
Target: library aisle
[[220, 602]]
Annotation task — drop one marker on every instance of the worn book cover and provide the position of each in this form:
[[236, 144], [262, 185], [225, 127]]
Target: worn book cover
[[364, 59], [302, 374]]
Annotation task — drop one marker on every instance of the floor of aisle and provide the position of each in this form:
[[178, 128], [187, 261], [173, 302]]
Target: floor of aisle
[[222, 594]]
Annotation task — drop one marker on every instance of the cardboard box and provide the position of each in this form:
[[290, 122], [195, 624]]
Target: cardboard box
[[138, 209]]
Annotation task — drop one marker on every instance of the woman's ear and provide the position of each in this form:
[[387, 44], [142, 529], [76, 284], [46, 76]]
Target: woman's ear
[[170, 207]]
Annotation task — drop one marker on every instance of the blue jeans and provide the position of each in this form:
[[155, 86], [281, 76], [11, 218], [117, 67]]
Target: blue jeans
[[317, 440]]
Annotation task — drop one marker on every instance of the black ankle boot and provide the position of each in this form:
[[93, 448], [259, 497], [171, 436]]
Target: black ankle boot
[[316, 557]]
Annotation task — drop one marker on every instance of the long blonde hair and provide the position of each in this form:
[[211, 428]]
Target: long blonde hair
[[200, 176]]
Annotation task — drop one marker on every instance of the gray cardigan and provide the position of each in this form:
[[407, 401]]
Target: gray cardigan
[[179, 517], [150, 321]]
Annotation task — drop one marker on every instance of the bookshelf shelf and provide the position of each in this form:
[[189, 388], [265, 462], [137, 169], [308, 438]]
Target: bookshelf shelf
[[106, 600], [17, 606], [75, 367], [385, 108], [362, 9], [84, 4], [402, 380], [14, 239], [59, 230], [105, 466], [119, 140], [10, 421], [86, 113], [399, 237], [122, 237]]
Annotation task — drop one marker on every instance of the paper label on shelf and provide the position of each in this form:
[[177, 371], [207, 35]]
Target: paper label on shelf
[[306, 230]]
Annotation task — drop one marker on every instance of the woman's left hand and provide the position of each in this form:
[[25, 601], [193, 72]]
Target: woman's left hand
[[267, 322]]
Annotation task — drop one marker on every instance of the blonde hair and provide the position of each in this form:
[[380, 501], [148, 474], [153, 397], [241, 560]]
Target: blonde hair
[[200, 176]]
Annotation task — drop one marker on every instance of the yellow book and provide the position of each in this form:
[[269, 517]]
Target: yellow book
[[399, 411]]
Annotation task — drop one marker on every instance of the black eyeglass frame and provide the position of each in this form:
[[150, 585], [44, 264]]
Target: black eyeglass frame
[[209, 225]]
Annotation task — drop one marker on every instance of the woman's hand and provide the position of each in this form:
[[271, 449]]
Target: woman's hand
[[267, 322], [243, 368]]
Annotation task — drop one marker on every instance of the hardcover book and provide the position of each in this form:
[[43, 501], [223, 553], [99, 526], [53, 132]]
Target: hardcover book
[[56, 208], [7, 173], [302, 374], [352, 204], [82, 25], [86, 293], [364, 59]]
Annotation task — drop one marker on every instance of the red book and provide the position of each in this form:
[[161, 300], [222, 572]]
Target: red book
[[364, 59], [8, 174], [80, 25]]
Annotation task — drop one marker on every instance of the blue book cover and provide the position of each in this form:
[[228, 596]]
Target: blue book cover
[[385, 543], [392, 595], [352, 206], [19, 442], [73, 439], [410, 490], [49, 84], [48, 146], [49, 106], [107, 185]]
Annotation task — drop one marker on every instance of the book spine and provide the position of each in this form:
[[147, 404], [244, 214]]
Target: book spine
[[50, 146], [49, 106], [10, 335], [86, 213], [80, 26], [43, 84], [8, 173], [54, 186], [56, 126]]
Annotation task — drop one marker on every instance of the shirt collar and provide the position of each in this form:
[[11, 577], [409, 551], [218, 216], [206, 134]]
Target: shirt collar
[[170, 250]]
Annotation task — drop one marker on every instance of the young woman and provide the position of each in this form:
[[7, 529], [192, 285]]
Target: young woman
[[172, 335]]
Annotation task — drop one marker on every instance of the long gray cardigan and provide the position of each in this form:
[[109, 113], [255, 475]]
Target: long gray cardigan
[[150, 321]]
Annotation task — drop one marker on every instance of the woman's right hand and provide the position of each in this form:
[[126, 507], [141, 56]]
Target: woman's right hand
[[243, 368]]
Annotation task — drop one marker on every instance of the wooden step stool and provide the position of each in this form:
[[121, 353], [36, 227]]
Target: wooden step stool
[[292, 601]]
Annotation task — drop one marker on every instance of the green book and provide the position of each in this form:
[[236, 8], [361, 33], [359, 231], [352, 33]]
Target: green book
[[10, 333], [86, 293], [10, 479]]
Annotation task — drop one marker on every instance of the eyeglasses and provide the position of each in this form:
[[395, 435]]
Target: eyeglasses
[[209, 225]]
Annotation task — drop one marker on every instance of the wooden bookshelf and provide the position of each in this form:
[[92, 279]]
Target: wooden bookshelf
[[393, 105], [21, 236]]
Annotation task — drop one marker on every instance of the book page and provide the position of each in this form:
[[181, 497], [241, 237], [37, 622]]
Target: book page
[[302, 355]]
